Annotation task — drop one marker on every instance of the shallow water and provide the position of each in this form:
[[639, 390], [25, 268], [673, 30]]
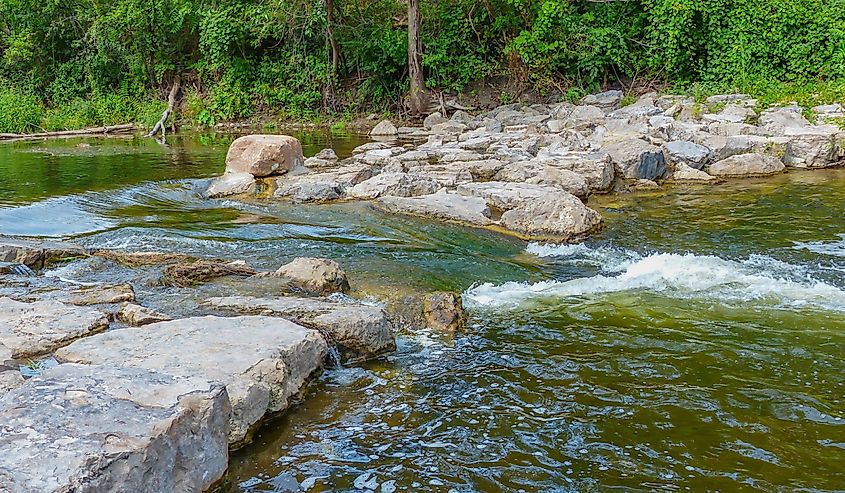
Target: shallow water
[[696, 344]]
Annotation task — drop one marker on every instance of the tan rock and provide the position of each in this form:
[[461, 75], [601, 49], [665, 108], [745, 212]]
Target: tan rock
[[747, 165], [314, 275], [264, 155], [136, 315]]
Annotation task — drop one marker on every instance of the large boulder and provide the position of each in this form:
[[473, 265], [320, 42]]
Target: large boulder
[[359, 331], [689, 153], [746, 165], [637, 159], [315, 276], [537, 172], [441, 205], [231, 184], [563, 218], [595, 166], [263, 361], [91, 429], [396, 184], [435, 119], [384, 129], [32, 329], [810, 146], [264, 155]]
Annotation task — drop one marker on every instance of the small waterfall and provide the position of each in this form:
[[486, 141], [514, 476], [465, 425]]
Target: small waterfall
[[333, 354]]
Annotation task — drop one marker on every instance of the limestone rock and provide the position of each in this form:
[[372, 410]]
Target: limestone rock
[[327, 155], [318, 276], [189, 274], [36, 254], [441, 205], [31, 329], [688, 153], [506, 195], [396, 184], [746, 165], [434, 119], [685, 173], [264, 155], [359, 331], [637, 159], [9, 380], [16, 269], [262, 361], [595, 166], [564, 218], [101, 293], [384, 129], [606, 99], [444, 311], [231, 183], [136, 315], [91, 429]]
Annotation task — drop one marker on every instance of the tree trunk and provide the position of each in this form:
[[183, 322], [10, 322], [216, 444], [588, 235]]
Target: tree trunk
[[330, 32], [171, 102], [418, 96]]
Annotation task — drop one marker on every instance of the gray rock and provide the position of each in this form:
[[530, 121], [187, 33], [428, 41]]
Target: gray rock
[[564, 218], [582, 117], [136, 315], [384, 129], [727, 98], [396, 184], [317, 276], [231, 184], [263, 361], [461, 116], [10, 380], [449, 127], [507, 195], [100, 294], [326, 155], [36, 254], [607, 99], [683, 172], [746, 165], [264, 155], [31, 329], [441, 205], [484, 170], [91, 429], [596, 167], [359, 331], [637, 159], [689, 153], [434, 119], [16, 269]]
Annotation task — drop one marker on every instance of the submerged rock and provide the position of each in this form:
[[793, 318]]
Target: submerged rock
[[110, 428], [140, 259], [31, 329], [316, 276], [264, 155], [100, 294], [359, 331], [136, 315], [263, 361], [184, 275]]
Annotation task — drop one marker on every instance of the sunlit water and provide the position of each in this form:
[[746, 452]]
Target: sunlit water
[[697, 344]]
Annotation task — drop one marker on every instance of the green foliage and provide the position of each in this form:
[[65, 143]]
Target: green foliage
[[110, 61]]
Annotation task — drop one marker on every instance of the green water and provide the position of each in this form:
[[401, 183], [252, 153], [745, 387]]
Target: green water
[[697, 343]]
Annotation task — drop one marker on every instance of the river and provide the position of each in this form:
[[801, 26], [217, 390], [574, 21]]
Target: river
[[696, 344]]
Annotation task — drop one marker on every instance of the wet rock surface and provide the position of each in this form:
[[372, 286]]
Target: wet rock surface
[[314, 276], [31, 329], [359, 331], [263, 361], [93, 428]]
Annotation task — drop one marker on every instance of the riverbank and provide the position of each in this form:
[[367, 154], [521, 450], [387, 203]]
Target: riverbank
[[529, 170]]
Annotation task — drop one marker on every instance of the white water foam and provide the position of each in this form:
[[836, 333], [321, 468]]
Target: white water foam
[[679, 275], [607, 258], [833, 248]]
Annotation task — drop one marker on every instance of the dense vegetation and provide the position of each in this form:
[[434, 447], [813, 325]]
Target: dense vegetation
[[71, 63]]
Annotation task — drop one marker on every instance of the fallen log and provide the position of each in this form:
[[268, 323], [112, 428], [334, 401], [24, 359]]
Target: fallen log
[[126, 127]]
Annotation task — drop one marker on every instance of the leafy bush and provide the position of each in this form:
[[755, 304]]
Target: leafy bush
[[19, 112]]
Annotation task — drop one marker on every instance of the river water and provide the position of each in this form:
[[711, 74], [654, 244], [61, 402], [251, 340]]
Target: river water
[[696, 344]]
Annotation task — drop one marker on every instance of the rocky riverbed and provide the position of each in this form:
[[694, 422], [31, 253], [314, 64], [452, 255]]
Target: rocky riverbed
[[529, 170], [145, 401]]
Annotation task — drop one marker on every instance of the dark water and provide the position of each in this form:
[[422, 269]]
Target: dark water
[[697, 344]]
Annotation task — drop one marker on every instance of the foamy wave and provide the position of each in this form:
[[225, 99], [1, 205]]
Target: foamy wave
[[684, 276], [833, 248], [607, 258]]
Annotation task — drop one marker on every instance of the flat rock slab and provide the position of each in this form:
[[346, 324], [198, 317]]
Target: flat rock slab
[[30, 329], [91, 429], [36, 253], [360, 331], [263, 361], [441, 205]]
